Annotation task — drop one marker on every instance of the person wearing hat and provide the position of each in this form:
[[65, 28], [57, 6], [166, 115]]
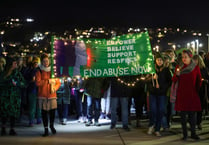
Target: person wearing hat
[[158, 87], [32, 92], [47, 97], [187, 102]]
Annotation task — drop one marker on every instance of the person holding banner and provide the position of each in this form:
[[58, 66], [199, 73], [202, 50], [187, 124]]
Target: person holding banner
[[94, 89], [47, 97], [158, 88], [119, 92]]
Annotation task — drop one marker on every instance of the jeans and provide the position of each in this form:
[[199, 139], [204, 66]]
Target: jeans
[[93, 105], [124, 110], [62, 111], [157, 110], [105, 102]]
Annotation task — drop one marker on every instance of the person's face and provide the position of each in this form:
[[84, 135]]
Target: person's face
[[186, 59], [14, 65], [159, 61], [196, 61], [45, 62]]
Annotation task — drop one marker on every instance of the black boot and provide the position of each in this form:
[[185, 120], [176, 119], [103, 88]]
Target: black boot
[[53, 129], [46, 132], [3, 131]]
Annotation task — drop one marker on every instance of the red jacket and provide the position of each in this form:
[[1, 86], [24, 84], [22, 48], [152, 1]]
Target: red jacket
[[187, 98], [44, 88]]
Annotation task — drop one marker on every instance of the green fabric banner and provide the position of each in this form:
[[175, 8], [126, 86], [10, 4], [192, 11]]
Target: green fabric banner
[[129, 54]]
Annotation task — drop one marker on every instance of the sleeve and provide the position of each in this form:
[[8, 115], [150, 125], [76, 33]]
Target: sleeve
[[175, 78], [39, 81], [199, 79]]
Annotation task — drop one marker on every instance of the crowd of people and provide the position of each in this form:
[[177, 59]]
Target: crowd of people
[[179, 87]]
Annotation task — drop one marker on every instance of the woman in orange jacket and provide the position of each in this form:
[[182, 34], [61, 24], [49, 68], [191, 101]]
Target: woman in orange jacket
[[47, 98]]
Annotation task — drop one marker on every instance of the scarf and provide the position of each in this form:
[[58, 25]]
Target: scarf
[[46, 69], [189, 68]]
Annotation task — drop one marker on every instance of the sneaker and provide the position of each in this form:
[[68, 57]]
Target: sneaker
[[12, 132], [85, 119], [102, 116], [97, 124], [80, 119], [150, 130], [31, 123], [88, 123], [184, 138], [157, 133], [64, 121]]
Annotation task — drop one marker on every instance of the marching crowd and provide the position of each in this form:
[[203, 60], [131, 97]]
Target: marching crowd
[[179, 87]]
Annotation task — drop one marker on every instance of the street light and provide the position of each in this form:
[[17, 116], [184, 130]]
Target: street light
[[208, 41], [197, 48]]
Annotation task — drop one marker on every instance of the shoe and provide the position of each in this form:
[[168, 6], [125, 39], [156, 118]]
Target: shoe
[[102, 116], [88, 123], [64, 122], [165, 129], [157, 133], [12, 132], [3, 131], [38, 121], [46, 132], [112, 126], [126, 128], [53, 129], [195, 137], [30, 123], [97, 124], [150, 130], [85, 119], [108, 117], [80, 119]]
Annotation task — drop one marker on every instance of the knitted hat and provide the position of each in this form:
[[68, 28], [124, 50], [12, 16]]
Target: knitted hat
[[35, 60], [187, 51]]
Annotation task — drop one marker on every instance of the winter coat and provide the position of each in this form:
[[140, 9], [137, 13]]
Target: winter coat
[[119, 89], [164, 80], [95, 87], [187, 93], [44, 88]]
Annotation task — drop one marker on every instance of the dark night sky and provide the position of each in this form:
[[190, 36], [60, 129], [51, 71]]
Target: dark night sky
[[141, 13]]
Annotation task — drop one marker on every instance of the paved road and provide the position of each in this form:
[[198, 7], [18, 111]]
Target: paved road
[[78, 134]]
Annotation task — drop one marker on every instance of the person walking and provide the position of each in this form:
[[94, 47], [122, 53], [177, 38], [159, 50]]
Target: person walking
[[47, 97]]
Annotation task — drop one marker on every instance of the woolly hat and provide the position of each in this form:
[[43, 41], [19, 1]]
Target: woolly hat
[[187, 51], [35, 60]]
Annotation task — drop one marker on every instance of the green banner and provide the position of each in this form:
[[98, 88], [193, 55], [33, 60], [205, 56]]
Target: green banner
[[122, 55]]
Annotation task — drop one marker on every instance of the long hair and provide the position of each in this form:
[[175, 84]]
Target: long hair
[[200, 63]]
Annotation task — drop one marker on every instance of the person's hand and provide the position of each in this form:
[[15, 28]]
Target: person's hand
[[52, 81], [178, 72], [14, 82]]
